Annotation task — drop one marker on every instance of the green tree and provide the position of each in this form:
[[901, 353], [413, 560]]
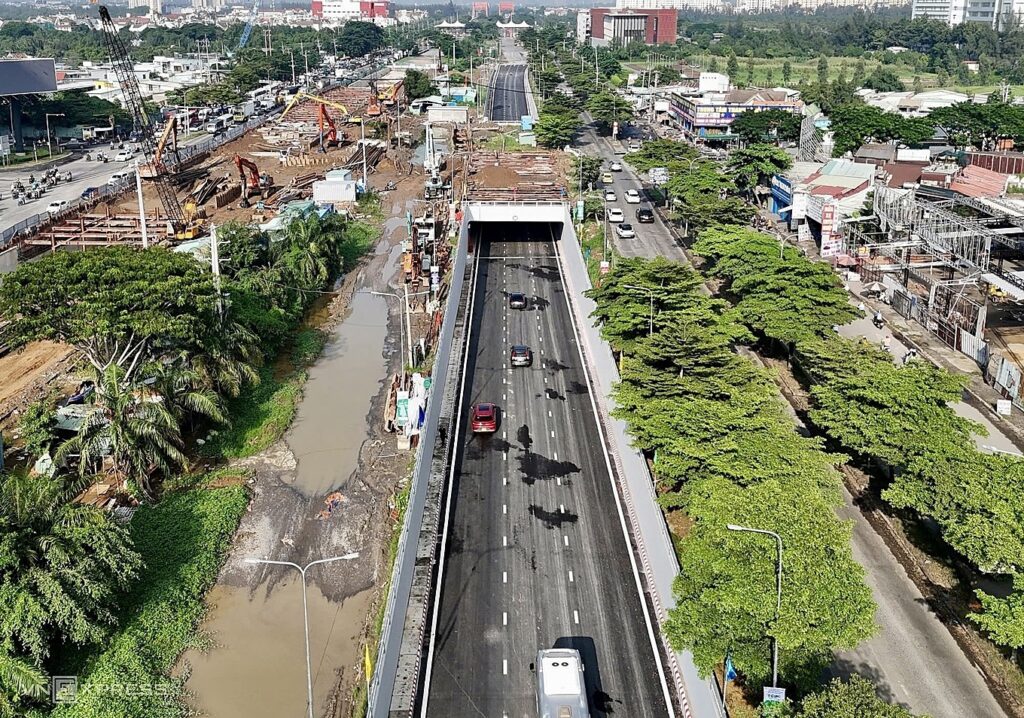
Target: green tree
[[359, 38], [750, 69], [755, 165], [607, 108], [134, 428], [883, 79], [767, 126], [942, 79], [918, 86], [822, 71], [417, 85], [725, 591], [556, 130], [713, 65], [21, 682], [787, 72], [585, 171], [859, 72], [1002, 618], [855, 698], [117, 306], [37, 426], [732, 68], [62, 566], [788, 299]]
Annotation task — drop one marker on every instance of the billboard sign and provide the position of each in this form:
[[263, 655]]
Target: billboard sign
[[27, 77]]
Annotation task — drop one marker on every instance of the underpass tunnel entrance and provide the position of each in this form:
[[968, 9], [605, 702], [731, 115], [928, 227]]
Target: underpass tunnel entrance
[[520, 236]]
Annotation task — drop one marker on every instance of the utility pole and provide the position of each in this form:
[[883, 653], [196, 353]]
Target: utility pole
[[142, 206], [215, 264], [292, 54]]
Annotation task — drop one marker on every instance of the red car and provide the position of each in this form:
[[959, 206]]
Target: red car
[[485, 419]]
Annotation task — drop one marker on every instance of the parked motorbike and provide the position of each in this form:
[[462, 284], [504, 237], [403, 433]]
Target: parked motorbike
[[88, 157], [390, 186]]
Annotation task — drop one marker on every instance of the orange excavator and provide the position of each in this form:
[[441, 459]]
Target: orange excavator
[[255, 183], [157, 167], [373, 104], [328, 138]]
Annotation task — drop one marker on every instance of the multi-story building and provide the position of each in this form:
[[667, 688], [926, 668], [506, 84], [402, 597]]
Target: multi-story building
[[998, 14], [621, 26], [710, 116], [701, 5], [342, 10]]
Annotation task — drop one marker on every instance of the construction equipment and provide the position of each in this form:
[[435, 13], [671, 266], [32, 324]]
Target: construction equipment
[[373, 105], [299, 96], [152, 170], [125, 71], [434, 186], [391, 95], [247, 30], [325, 121], [256, 183]]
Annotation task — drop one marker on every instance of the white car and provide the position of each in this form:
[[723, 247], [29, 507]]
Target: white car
[[124, 156], [609, 196], [57, 206], [634, 145], [625, 231], [615, 215], [632, 196], [616, 166]]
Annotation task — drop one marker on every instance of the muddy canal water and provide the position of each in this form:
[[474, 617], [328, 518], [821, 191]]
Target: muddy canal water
[[257, 668]]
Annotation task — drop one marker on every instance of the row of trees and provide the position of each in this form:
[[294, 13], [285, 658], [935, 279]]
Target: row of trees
[[965, 125], [897, 417], [165, 352], [724, 451]]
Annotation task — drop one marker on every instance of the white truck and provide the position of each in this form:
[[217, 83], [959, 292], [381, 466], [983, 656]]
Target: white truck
[[244, 111]]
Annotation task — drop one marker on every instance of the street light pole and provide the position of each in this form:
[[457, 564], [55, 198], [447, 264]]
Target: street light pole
[[408, 320], [778, 592], [650, 292], [49, 150], [305, 611]]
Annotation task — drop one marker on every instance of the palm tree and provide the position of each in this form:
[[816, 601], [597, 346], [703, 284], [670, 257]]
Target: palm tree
[[136, 427], [62, 566], [19, 680]]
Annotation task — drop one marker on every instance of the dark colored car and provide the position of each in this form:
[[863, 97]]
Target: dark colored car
[[90, 192], [517, 300], [74, 144], [644, 215], [521, 355], [485, 418]]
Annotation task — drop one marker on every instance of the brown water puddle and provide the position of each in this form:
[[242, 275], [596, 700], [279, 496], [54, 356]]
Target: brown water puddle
[[330, 425], [258, 669]]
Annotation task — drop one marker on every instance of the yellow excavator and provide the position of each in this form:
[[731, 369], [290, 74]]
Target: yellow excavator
[[299, 97]]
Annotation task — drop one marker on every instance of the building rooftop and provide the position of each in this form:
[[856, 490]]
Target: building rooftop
[[975, 181]]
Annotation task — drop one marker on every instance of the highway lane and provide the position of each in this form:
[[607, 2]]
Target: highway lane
[[508, 94], [652, 240], [536, 552]]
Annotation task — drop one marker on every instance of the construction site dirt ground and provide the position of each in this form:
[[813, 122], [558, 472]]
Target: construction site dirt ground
[[336, 452], [26, 374]]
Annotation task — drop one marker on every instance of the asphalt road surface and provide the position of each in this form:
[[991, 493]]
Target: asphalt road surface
[[508, 94], [84, 174], [536, 553], [652, 240]]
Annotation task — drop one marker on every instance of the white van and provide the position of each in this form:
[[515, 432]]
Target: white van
[[119, 178]]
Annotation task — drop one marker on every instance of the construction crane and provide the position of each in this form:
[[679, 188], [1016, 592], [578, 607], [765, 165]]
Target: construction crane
[[157, 167], [181, 228], [247, 31], [256, 183]]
